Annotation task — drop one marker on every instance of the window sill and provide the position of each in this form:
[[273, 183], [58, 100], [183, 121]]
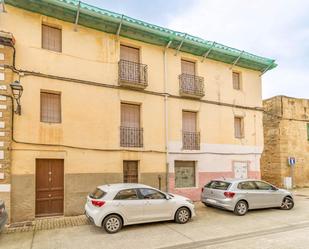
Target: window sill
[[51, 123]]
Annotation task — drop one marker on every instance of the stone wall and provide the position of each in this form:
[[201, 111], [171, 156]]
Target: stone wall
[[285, 133], [6, 77]]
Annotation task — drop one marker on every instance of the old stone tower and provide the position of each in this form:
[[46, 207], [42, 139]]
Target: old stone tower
[[286, 134], [6, 77]]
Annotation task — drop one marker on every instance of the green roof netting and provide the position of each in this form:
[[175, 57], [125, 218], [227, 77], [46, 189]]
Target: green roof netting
[[108, 21]]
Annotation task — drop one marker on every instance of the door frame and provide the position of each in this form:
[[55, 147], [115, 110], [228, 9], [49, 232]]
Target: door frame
[[35, 185]]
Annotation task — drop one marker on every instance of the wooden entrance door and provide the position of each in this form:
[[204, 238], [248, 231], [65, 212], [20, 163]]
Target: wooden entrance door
[[49, 187]]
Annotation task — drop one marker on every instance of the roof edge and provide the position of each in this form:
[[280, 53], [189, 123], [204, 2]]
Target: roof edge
[[191, 44]]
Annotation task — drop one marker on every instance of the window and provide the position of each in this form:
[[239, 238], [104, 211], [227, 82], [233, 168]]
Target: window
[[50, 107], [218, 185], [190, 136], [129, 54], [130, 115], [247, 186], [97, 194], [189, 121], [130, 171], [131, 135], [51, 38], [187, 67], [239, 127], [184, 174], [236, 81], [263, 186], [148, 193], [126, 194]]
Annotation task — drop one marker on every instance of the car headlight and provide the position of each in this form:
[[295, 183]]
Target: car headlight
[[190, 201]]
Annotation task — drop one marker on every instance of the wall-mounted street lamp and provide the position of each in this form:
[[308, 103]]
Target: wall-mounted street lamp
[[17, 91]]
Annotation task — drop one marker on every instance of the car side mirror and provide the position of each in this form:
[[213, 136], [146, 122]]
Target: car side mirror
[[274, 188], [167, 197]]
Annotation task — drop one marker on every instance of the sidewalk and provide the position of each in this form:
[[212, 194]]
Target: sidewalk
[[269, 228], [47, 224]]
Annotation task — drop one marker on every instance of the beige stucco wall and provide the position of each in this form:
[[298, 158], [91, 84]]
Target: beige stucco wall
[[91, 55], [91, 114]]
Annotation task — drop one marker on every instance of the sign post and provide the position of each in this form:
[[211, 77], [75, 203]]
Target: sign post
[[292, 162]]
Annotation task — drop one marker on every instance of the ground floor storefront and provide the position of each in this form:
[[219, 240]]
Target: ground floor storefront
[[190, 171]]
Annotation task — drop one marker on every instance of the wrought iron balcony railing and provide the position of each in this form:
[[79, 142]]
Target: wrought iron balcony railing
[[132, 74], [131, 137], [190, 140], [191, 86]]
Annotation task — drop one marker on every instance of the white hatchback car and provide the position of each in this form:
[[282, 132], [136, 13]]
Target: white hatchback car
[[116, 205]]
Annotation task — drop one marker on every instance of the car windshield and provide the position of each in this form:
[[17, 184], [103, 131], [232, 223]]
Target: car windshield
[[218, 185]]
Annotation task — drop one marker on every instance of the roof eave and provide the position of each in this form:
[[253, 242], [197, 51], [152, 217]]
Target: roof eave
[[107, 21]]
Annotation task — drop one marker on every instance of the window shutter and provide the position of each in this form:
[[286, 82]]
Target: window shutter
[[189, 121], [50, 107], [236, 80], [129, 53], [130, 115], [239, 127], [51, 38], [187, 67], [308, 131]]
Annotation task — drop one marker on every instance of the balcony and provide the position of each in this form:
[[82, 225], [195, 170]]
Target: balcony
[[131, 137], [191, 86], [132, 74], [190, 140]]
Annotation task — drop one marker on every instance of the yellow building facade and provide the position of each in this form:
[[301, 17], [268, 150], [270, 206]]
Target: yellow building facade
[[100, 107]]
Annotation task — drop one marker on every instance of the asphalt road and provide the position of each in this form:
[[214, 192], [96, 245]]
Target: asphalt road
[[211, 229]]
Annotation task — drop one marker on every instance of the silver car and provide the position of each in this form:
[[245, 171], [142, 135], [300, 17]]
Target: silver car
[[241, 195], [115, 205]]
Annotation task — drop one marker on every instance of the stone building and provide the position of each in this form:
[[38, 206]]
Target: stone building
[[108, 98], [286, 134]]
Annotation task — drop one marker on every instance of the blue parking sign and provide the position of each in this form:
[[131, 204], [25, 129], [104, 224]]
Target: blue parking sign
[[291, 161]]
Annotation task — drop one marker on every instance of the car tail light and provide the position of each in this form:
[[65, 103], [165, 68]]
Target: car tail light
[[97, 203], [202, 190], [229, 194]]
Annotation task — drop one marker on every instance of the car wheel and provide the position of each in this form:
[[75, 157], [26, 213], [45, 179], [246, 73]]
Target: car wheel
[[182, 215], [287, 203], [241, 208], [112, 223]]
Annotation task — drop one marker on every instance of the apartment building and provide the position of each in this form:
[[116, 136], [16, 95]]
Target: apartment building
[[286, 135], [108, 98]]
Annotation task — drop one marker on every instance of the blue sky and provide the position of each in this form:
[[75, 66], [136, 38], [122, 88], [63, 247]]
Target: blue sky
[[277, 29]]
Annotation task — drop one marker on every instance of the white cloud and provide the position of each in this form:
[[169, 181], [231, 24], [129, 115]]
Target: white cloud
[[277, 29]]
